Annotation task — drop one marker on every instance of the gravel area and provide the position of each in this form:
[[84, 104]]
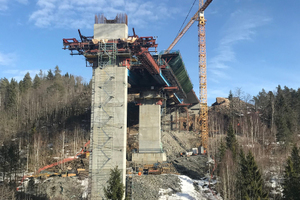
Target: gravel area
[[176, 142], [148, 186], [61, 188], [171, 146], [194, 167]]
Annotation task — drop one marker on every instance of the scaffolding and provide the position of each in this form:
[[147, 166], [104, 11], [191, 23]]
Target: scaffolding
[[107, 54], [103, 117]]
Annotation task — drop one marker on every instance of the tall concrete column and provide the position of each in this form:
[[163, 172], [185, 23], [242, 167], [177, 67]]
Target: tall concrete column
[[150, 147], [109, 107], [108, 134]]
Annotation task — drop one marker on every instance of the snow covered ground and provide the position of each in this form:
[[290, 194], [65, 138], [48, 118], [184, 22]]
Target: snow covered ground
[[190, 190], [85, 185]]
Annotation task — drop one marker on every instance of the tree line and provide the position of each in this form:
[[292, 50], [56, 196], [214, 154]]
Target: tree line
[[280, 111]]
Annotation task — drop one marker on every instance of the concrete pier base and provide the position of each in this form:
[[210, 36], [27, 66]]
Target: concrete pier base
[[149, 158]]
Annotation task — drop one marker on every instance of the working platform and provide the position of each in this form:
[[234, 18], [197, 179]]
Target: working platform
[[163, 72]]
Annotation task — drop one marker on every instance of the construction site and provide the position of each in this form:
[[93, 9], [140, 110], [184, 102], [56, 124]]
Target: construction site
[[145, 116], [129, 67], [109, 100]]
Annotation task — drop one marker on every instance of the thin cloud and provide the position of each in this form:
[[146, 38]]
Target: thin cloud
[[4, 4], [25, 2], [218, 93], [11, 71], [19, 74], [7, 59], [219, 74], [77, 13], [241, 26]]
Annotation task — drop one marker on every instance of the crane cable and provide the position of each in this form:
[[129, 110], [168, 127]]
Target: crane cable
[[186, 18]]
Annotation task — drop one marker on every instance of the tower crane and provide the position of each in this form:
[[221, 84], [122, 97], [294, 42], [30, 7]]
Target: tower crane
[[199, 16]]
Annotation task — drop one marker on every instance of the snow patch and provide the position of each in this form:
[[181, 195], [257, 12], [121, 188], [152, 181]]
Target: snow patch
[[190, 190], [85, 185]]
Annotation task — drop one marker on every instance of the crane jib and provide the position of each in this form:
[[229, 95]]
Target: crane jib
[[189, 24]]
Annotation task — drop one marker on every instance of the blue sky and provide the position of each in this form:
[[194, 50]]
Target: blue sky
[[250, 44]]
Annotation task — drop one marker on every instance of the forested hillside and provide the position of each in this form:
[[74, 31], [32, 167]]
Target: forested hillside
[[40, 118], [252, 140], [280, 110]]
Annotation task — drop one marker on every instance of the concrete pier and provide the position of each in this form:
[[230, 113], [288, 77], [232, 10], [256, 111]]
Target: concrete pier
[[109, 110], [108, 136], [150, 147], [150, 128]]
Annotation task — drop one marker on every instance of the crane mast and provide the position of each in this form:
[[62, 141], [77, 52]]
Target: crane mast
[[202, 78], [199, 16]]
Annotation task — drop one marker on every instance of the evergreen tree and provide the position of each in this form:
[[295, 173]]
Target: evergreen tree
[[4, 84], [222, 150], [297, 106], [241, 174], [282, 128], [27, 83], [57, 73], [10, 158], [231, 142], [4, 164], [296, 158], [41, 75], [291, 187], [21, 86], [50, 75], [230, 96], [251, 182], [285, 116], [115, 188], [12, 92], [36, 82]]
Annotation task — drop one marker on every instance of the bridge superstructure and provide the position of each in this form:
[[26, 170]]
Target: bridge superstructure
[[123, 65]]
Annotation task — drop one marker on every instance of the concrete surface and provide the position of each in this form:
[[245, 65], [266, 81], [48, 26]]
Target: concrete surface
[[108, 136], [110, 31], [149, 158], [150, 128]]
